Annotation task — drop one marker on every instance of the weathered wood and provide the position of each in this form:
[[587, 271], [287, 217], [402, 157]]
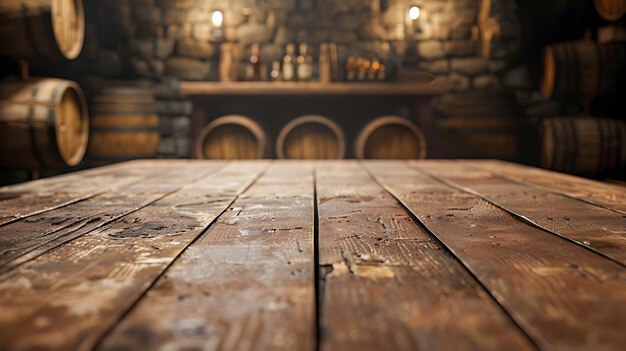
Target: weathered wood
[[596, 228], [387, 284], [564, 296], [70, 297], [27, 199], [600, 194], [25, 239], [246, 284]]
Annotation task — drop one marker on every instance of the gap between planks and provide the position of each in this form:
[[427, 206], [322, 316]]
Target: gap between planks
[[86, 224], [610, 247], [591, 319], [202, 234]]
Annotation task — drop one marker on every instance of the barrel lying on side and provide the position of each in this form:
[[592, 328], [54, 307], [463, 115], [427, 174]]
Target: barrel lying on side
[[124, 125], [43, 124], [582, 70], [390, 137], [477, 125], [311, 138], [584, 145], [42, 30], [610, 10], [232, 137]]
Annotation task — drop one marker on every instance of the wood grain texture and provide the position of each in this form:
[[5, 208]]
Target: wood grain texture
[[391, 286], [70, 297], [23, 240], [596, 228], [27, 199], [247, 284], [564, 296], [600, 194]]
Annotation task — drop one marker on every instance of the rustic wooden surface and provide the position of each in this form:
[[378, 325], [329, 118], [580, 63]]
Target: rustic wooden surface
[[326, 255]]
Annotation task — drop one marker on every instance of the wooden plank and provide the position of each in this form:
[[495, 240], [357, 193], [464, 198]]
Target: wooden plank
[[25, 239], [413, 88], [596, 228], [564, 296], [28, 199], [248, 283], [600, 194], [391, 286], [70, 297]]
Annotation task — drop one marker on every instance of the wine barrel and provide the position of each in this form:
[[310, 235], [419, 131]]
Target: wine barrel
[[310, 138], [390, 137], [477, 125], [43, 124], [124, 124], [42, 30], [584, 145], [610, 10], [582, 70], [232, 137]]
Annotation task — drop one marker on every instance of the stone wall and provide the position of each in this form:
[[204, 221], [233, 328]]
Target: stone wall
[[173, 38], [168, 40]]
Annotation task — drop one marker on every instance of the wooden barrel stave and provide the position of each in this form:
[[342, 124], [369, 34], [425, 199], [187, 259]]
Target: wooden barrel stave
[[124, 125], [584, 145], [610, 10], [482, 125], [232, 137], [582, 70], [42, 30], [44, 124], [310, 138], [390, 137]]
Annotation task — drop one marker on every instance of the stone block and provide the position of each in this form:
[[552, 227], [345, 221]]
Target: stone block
[[470, 66], [187, 69], [189, 47], [430, 50]]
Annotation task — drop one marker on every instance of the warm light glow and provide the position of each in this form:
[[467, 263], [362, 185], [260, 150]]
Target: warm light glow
[[217, 18], [414, 13]]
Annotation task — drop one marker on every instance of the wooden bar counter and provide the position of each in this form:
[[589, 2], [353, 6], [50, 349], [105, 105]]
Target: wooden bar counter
[[327, 255]]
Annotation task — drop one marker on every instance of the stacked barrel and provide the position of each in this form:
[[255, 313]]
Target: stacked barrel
[[124, 124], [478, 125], [585, 72], [43, 121], [310, 137]]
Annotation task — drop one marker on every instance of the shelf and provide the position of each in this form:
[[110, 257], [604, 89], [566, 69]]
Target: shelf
[[412, 88]]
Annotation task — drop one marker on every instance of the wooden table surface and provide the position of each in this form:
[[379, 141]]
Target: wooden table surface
[[337, 255]]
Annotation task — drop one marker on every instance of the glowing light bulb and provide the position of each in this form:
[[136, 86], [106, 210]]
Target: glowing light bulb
[[217, 18], [414, 13]]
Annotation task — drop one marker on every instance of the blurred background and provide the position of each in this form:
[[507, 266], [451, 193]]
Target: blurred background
[[87, 83]]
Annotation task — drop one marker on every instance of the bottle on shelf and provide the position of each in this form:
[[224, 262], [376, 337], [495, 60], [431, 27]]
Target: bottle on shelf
[[364, 66], [350, 69], [324, 64], [289, 63], [253, 71], [382, 73], [305, 64], [275, 74], [372, 74]]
